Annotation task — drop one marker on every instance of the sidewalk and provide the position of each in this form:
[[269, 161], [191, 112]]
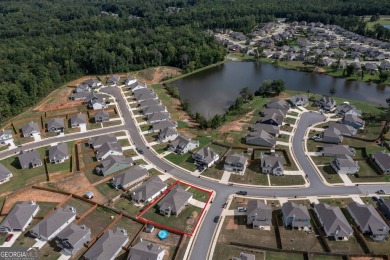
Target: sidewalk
[[346, 180]]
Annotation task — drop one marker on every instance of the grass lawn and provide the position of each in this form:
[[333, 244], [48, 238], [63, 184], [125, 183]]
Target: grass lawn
[[289, 120], [218, 149], [3, 236], [181, 124], [108, 191], [370, 146], [286, 128], [371, 130], [312, 146], [60, 167], [214, 172], [140, 162], [89, 158], [286, 180], [127, 206], [342, 202], [121, 133], [44, 208], [185, 221], [112, 123], [151, 137], [199, 194], [325, 257], [124, 142], [129, 153], [283, 138], [271, 255], [329, 174], [91, 175], [377, 247], [184, 160], [321, 160], [224, 251], [345, 246], [97, 220], [132, 227], [161, 148], [80, 206], [50, 251], [366, 169], [25, 239], [145, 127], [252, 175]]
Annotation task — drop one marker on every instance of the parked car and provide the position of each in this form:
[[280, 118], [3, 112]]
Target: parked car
[[216, 219], [224, 205], [9, 237], [375, 198], [242, 192], [139, 150], [380, 192], [241, 209]]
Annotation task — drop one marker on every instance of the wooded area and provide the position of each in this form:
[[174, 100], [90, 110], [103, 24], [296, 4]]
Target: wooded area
[[44, 44]]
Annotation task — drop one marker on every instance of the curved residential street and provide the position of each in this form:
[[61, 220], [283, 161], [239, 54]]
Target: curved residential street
[[222, 191]]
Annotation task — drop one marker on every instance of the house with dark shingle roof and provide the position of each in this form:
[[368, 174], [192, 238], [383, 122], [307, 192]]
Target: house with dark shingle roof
[[20, 216], [272, 119], [326, 103], [5, 174], [6, 137], [345, 109], [92, 83], [272, 164], [338, 149], [113, 80], [108, 246], [102, 116], [29, 159], [154, 109], [278, 104], [149, 190], [56, 125], [144, 96], [145, 250], [132, 176], [156, 127], [148, 103], [382, 159], [174, 201], [295, 215], [82, 88], [78, 120], [333, 221], [353, 120], [108, 149], [369, 221], [385, 207], [49, 227], [260, 138], [344, 164], [158, 117], [97, 141], [58, 153], [299, 100], [167, 134], [345, 130], [259, 215], [271, 129], [112, 164], [30, 129], [235, 163], [205, 157], [182, 145], [130, 80], [97, 103], [73, 238]]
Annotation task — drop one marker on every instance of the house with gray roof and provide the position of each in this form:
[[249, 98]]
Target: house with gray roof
[[56, 125], [385, 65], [235, 163], [81, 96], [345, 130], [97, 103], [49, 227], [149, 190], [182, 145], [260, 138], [299, 100], [331, 135], [156, 127], [5, 174], [112, 164], [369, 220], [167, 134], [344, 164], [143, 91], [97, 141], [154, 109], [333, 221], [145, 250], [137, 86], [174, 202], [92, 83], [271, 129], [345, 109], [130, 80], [132, 176], [272, 164], [278, 104], [113, 80], [157, 117], [58, 153], [382, 159], [30, 129], [19, 217], [78, 120], [295, 215], [370, 67], [353, 120], [268, 112], [6, 137], [259, 215], [73, 238], [205, 157], [338, 149], [272, 119], [108, 246], [244, 256], [108, 149], [29, 159], [102, 116], [326, 103], [82, 88], [145, 96], [148, 103], [385, 207]]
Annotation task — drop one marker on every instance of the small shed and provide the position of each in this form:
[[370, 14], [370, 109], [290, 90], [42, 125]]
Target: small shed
[[88, 195], [149, 228]]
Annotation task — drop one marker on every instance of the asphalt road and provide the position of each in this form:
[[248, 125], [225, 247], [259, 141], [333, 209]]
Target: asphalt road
[[204, 238]]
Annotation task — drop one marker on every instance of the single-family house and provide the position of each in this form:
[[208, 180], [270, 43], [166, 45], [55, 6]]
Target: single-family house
[[332, 136], [108, 149], [157, 127], [97, 103], [295, 215], [182, 145], [132, 176], [244, 256], [113, 80], [345, 109], [167, 134], [145, 250], [157, 117], [333, 221], [345, 130], [97, 141], [78, 120], [353, 120], [278, 104], [30, 129], [272, 119], [344, 164], [144, 96], [92, 83], [272, 164], [5, 174], [137, 86], [326, 103], [148, 103], [205, 157], [29, 159], [260, 138], [130, 80], [299, 100], [259, 215], [82, 88], [385, 207], [370, 67], [112, 164], [271, 129], [338, 149], [385, 65], [73, 238], [102, 116], [49, 227], [6, 137], [235, 163], [149, 190], [108, 246], [19, 217], [369, 220], [81, 96], [56, 125], [58, 153], [382, 159], [154, 109], [174, 201]]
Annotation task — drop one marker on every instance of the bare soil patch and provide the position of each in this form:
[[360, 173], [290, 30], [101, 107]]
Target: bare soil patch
[[157, 74], [231, 225], [365, 258], [320, 70], [236, 125], [59, 101]]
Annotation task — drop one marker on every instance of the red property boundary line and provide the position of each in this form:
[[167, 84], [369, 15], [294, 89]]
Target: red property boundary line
[[173, 230]]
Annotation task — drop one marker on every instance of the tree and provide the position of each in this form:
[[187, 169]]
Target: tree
[[374, 18], [264, 88], [383, 76], [216, 121], [185, 105], [247, 94], [332, 91], [278, 86]]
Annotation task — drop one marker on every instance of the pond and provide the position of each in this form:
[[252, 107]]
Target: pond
[[212, 91]]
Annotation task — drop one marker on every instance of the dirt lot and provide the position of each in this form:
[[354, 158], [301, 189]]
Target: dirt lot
[[58, 100], [31, 194], [157, 74], [236, 125]]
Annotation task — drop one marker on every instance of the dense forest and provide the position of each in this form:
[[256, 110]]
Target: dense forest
[[46, 43]]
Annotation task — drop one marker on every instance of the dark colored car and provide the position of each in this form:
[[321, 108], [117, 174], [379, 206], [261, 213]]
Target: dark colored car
[[375, 198], [380, 192], [216, 219], [224, 205], [242, 192], [9, 237], [139, 150]]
